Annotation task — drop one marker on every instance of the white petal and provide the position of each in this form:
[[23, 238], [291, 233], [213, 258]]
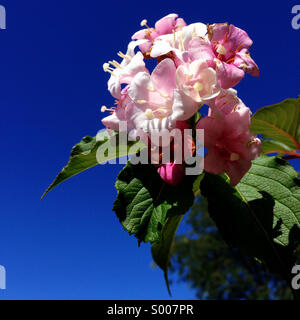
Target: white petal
[[138, 88], [191, 31], [135, 66], [160, 48], [184, 107], [132, 45], [111, 122], [114, 86]]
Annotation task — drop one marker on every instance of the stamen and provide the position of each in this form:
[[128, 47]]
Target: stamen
[[144, 24], [115, 63], [221, 50], [243, 66], [112, 109], [174, 38], [230, 60], [107, 68], [218, 63], [198, 86], [149, 114], [163, 95], [141, 101], [194, 33], [155, 104], [239, 47], [123, 56], [180, 39], [253, 141], [236, 107], [160, 93], [160, 110]]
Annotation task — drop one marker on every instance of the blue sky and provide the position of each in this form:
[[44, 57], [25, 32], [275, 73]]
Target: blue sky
[[71, 245]]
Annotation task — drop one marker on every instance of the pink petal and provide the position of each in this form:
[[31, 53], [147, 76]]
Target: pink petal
[[236, 170], [213, 162], [243, 60], [172, 173], [184, 145], [201, 49], [112, 121], [181, 75], [165, 70], [224, 102], [166, 25], [180, 23], [144, 34], [228, 75], [141, 34], [233, 39], [237, 123], [213, 130], [249, 147], [183, 107], [145, 47]]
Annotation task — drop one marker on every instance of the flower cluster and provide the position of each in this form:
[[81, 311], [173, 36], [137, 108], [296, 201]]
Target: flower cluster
[[196, 65]]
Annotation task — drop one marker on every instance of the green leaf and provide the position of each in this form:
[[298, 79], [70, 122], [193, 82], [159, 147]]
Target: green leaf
[[145, 201], [196, 184], [92, 151], [161, 250], [269, 146], [279, 122], [261, 215]]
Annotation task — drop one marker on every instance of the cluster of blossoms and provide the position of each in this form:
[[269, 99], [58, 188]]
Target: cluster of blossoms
[[196, 65]]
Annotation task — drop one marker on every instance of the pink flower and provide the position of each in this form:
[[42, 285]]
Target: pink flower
[[182, 147], [163, 26], [171, 173], [226, 49], [125, 71], [151, 104], [119, 115], [178, 42], [197, 81], [158, 101], [226, 102], [231, 146], [197, 64]]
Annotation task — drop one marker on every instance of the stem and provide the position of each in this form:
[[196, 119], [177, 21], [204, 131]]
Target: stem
[[290, 154], [291, 157]]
